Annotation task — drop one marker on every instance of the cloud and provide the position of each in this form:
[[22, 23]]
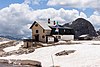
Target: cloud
[[82, 4], [16, 19], [60, 15], [13, 18], [82, 15], [35, 2], [95, 20], [75, 3], [65, 16]]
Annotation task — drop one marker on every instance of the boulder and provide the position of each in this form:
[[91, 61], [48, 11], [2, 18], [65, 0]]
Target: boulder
[[65, 52]]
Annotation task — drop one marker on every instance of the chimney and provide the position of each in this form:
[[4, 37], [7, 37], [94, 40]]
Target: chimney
[[48, 20], [54, 22]]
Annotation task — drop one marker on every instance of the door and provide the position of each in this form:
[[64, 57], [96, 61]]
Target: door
[[36, 37]]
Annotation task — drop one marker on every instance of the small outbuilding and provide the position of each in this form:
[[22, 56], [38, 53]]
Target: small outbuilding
[[28, 43]]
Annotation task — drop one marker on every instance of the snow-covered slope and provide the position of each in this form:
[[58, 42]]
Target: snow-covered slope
[[4, 42], [8, 49], [86, 55]]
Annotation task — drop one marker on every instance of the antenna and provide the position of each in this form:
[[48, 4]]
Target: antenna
[[79, 12]]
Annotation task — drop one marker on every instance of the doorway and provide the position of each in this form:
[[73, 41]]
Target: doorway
[[37, 38]]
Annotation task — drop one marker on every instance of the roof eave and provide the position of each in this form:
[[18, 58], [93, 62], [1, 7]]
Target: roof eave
[[32, 25]]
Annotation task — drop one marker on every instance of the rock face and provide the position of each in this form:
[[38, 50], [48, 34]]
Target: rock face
[[98, 32], [18, 52], [19, 63], [82, 27], [97, 38], [65, 52]]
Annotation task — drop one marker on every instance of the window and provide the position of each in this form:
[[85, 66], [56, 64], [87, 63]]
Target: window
[[36, 25], [36, 31], [43, 36], [59, 37], [43, 31]]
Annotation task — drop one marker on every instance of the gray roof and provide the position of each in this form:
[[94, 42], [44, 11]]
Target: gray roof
[[43, 24], [60, 27]]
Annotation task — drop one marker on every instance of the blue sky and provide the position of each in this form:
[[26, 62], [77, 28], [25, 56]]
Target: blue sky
[[6, 3], [16, 16]]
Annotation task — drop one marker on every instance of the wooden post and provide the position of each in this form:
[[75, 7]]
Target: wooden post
[[52, 60]]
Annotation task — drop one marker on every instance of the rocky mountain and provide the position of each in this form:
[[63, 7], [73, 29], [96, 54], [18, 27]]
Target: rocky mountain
[[4, 39], [82, 26], [10, 37]]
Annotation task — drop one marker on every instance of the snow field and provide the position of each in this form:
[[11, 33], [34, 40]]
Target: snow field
[[86, 55]]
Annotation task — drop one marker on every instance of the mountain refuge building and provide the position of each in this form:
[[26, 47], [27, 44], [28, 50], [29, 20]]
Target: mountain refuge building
[[50, 32]]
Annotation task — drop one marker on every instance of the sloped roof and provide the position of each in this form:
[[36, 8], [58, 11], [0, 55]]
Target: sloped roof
[[43, 24], [60, 27]]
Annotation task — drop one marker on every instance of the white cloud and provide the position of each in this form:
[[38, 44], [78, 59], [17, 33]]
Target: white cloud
[[26, 1], [61, 14], [95, 20], [36, 2], [82, 15], [13, 18], [97, 11], [17, 18], [75, 3]]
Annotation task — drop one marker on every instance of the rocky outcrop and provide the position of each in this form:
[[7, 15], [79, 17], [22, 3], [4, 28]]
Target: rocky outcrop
[[97, 38], [19, 63], [8, 44], [98, 32], [18, 52], [65, 52], [81, 27]]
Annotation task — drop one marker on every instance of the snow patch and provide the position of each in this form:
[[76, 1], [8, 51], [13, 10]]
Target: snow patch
[[4, 42], [8, 49]]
